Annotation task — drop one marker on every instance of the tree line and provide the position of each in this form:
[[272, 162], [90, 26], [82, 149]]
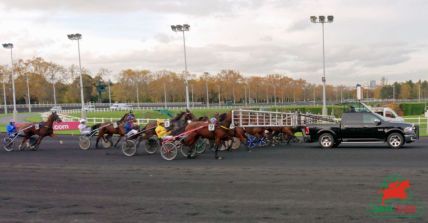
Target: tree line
[[50, 82]]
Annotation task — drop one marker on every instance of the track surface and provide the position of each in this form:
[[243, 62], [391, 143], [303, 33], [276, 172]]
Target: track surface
[[294, 183]]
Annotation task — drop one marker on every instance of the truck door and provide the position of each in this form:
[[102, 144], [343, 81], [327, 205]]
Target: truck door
[[351, 126], [372, 129]]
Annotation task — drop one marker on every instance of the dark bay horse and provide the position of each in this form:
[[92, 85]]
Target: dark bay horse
[[41, 129], [222, 132], [108, 128], [177, 125]]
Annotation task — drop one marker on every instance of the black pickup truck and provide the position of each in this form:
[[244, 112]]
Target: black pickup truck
[[362, 127]]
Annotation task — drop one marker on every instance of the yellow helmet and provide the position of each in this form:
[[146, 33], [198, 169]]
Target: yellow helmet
[[160, 121]]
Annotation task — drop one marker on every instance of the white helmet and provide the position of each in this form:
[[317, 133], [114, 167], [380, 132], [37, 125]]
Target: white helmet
[[82, 120], [12, 120]]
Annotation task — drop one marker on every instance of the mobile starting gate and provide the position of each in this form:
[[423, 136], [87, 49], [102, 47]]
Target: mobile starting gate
[[251, 118]]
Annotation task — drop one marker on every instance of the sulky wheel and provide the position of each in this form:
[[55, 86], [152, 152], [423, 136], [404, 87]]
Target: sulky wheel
[[225, 145], [169, 151], [129, 148], [152, 145], [236, 143], [8, 144], [106, 144], [31, 144], [34, 148], [202, 145], [185, 150], [84, 142]]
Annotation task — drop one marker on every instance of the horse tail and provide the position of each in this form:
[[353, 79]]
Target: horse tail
[[96, 126]]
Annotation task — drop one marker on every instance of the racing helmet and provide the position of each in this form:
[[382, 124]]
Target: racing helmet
[[160, 121], [12, 121], [82, 120]]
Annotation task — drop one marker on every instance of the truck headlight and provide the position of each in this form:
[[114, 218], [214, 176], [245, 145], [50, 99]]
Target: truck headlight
[[409, 129]]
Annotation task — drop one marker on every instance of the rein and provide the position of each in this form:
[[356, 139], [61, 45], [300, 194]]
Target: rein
[[224, 127], [185, 133]]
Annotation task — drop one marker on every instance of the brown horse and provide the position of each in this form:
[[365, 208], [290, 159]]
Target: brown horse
[[177, 125], [287, 132], [108, 128], [222, 132], [41, 129]]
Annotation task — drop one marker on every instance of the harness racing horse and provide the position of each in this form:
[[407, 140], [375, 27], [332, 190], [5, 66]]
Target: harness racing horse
[[222, 132], [177, 125], [287, 132], [109, 129], [42, 130]]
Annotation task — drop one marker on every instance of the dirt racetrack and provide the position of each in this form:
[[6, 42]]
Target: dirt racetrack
[[292, 183]]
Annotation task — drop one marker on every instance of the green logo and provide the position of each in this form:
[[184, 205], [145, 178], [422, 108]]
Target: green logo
[[396, 200]]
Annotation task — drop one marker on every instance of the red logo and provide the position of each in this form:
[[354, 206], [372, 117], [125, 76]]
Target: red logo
[[397, 200], [395, 190]]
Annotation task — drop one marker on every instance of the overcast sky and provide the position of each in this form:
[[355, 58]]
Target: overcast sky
[[367, 40]]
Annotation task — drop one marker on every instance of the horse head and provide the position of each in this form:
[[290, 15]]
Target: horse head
[[181, 120], [188, 116], [54, 117], [225, 118]]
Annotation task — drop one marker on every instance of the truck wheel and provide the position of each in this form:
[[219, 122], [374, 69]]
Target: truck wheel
[[326, 140], [395, 140]]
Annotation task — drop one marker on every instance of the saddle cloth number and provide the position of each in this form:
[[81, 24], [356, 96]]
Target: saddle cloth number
[[167, 124], [114, 125], [211, 127], [36, 126]]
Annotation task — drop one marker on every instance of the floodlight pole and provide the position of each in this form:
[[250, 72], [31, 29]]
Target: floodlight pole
[[77, 37], [183, 28], [109, 93], [164, 95], [54, 90], [219, 96], [274, 94], [28, 94], [324, 99], [10, 46], [138, 94], [321, 19], [206, 88]]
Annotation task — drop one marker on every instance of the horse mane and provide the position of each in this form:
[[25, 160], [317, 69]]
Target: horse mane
[[123, 117], [178, 116], [203, 118], [222, 117], [95, 126]]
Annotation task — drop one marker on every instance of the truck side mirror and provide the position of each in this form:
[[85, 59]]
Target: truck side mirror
[[377, 121]]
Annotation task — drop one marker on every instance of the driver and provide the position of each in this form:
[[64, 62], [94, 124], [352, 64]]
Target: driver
[[84, 130], [161, 131], [129, 122], [11, 129]]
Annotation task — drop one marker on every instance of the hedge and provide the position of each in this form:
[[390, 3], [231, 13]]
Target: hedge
[[413, 108]]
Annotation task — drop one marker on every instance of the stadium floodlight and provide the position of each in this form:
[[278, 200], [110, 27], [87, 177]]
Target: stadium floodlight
[[9, 46], [77, 37], [183, 28], [313, 19], [321, 19]]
